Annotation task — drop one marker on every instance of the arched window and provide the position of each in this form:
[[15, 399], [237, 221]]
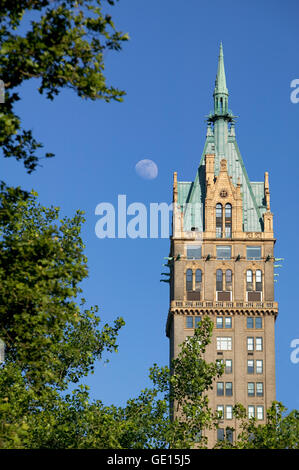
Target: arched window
[[189, 280], [198, 279], [219, 220], [219, 280], [258, 280], [249, 279], [228, 221], [228, 279]]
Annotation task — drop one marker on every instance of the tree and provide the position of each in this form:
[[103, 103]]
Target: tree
[[281, 430], [49, 336], [63, 47]]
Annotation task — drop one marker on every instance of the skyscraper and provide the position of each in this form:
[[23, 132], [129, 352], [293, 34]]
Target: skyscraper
[[222, 251]]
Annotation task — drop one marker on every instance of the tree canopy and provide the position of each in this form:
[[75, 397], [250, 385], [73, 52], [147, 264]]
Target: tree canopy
[[62, 44]]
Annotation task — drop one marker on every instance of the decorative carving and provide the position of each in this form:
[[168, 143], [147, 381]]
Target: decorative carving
[[223, 193]]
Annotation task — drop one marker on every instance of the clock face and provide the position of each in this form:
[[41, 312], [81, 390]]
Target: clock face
[[223, 193]]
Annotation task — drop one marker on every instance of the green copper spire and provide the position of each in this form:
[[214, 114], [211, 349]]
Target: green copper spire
[[220, 92], [220, 84]]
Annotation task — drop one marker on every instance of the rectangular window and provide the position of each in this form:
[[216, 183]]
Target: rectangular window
[[254, 252], [220, 389], [220, 411], [228, 322], [250, 389], [229, 412], [229, 435], [228, 389], [220, 434], [219, 363], [194, 252], [228, 366], [189, 322], [258, 323], [197, 321], [250, 344], [223, 252], [251, 412], [259, 389], [250, 366], [260, 412], [258, 344], [259, 366], [228, 231], [249, 322], [219, 322], [224, 343]]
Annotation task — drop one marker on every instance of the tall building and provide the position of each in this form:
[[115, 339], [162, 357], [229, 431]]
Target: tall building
[[223, 266]]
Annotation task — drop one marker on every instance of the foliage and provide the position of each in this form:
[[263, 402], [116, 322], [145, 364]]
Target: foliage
[[281, 430], [63, 46], [48, 336]]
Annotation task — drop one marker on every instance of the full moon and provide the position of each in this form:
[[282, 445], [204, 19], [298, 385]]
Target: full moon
[[146, 169]]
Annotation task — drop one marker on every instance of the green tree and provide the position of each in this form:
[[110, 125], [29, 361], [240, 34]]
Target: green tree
[[281, 430], [63, 46], [50, 338]]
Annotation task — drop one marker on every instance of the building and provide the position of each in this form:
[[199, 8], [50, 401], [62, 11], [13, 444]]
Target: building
[[223, 266]]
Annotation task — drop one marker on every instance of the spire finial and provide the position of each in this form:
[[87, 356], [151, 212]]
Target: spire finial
[[220, 84]]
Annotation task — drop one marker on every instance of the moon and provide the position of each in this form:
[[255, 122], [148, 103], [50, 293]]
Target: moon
[[146, 169]]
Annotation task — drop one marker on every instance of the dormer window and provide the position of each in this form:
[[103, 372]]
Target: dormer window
[[219, 218], [223, 218], [228, 221]]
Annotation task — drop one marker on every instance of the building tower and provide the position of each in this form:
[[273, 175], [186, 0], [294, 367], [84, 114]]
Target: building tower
[[223, 266]]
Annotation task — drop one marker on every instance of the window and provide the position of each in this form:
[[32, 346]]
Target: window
[[219, 322], [249, 322], [229, 435], [223, 252], [194, 252], [197, 321], [219, 280], [220, 434], [259, 366], [260, 412], [258, 280], [228, 389], [250, 344], [250, 389], [258, 323], [254, 252], [220, 389], [228, 322], [228, 279], [250, 366], [220, 411], [249, 280], [229, 412], [189, 280], [251, 412], [224, 343], [218, 221], [228, 221], [259, 389], [258, 344], [228, 366], [189, 322], [198, 279]]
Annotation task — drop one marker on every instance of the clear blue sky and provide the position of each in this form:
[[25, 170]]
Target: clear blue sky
[[168, 70]]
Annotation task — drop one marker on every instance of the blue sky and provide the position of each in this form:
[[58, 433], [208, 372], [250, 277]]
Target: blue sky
[[168, 70]]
